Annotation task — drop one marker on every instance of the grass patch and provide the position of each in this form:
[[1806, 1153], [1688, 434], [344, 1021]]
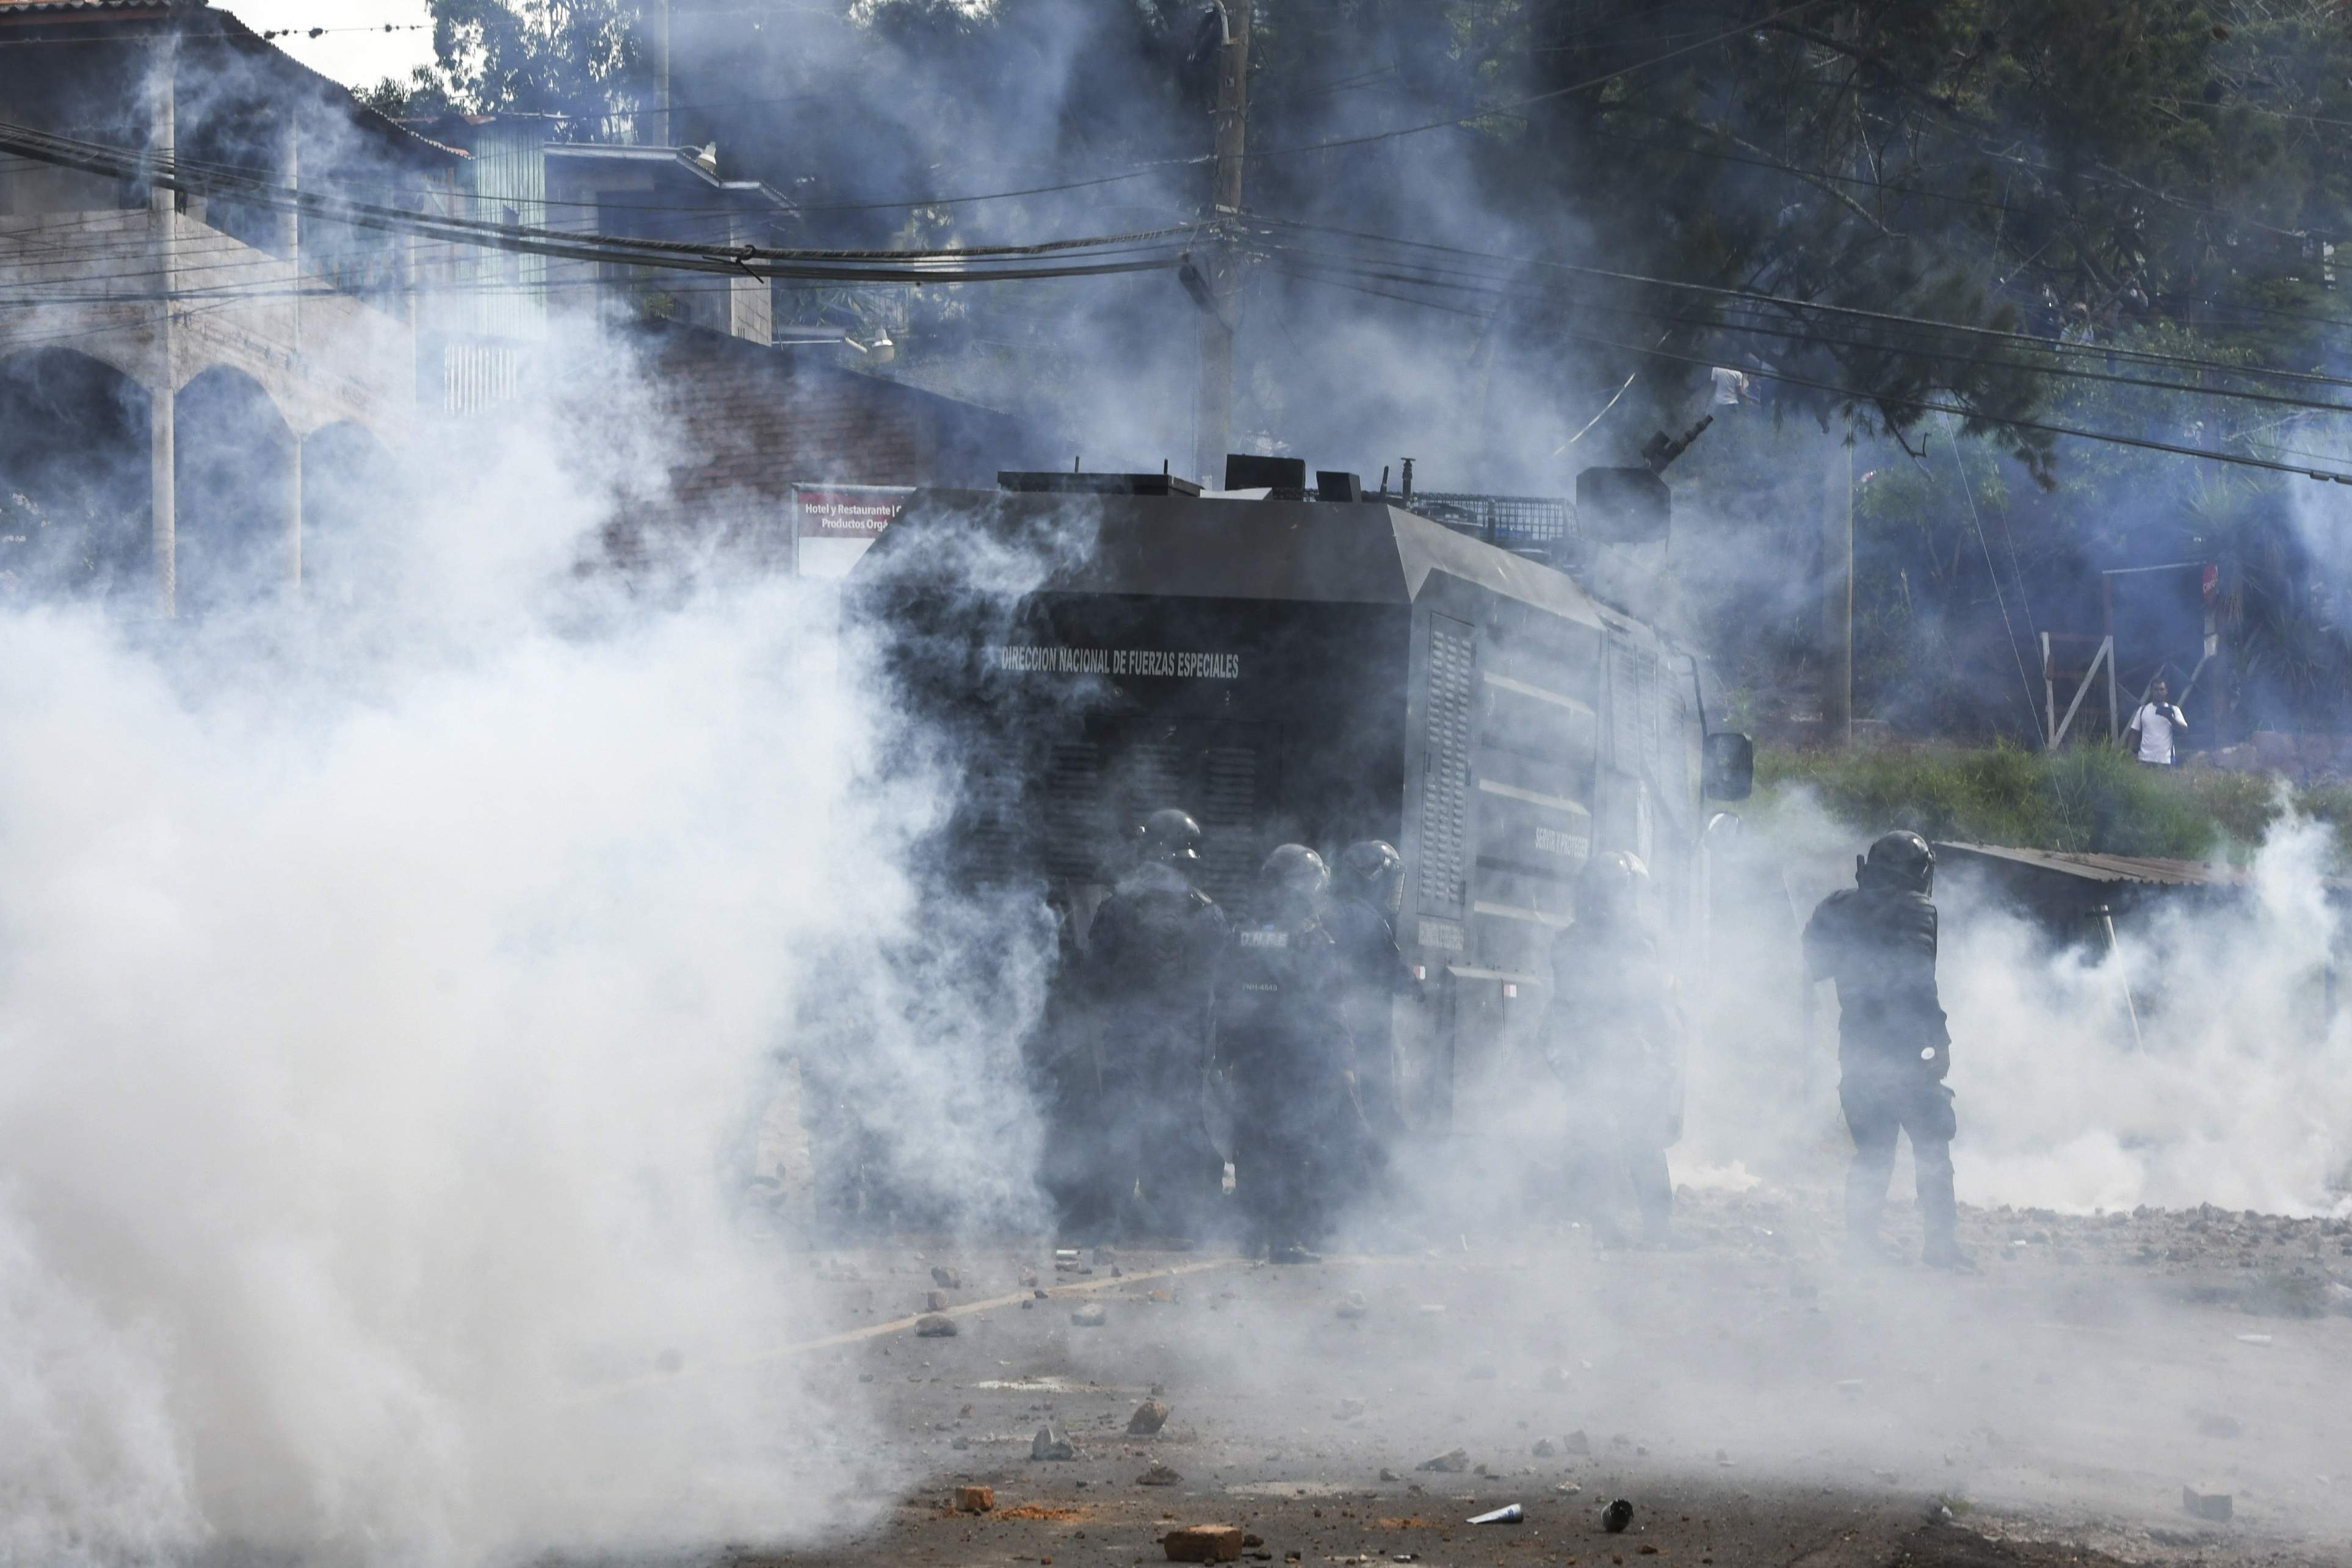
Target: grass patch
[[2089, 799]]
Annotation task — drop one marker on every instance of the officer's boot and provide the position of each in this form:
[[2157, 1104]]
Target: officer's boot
[[1938, 1208]]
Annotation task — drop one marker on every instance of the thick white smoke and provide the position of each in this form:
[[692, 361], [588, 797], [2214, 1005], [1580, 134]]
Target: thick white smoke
[[2233, 1090], [388, 999]]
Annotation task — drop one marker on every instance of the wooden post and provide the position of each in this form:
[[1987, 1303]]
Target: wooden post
[[162, 215], [1212, 408]]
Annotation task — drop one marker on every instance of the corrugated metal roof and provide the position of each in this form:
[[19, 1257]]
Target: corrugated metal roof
[[2138, 871]]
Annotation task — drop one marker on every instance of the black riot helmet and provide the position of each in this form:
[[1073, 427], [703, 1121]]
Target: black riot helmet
[[1169, 837], [1609, 891], [1374, 872], [1899, 860], [1292, 879]]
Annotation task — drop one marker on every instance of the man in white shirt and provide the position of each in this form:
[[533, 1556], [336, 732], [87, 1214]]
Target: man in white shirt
[[2158, 726]]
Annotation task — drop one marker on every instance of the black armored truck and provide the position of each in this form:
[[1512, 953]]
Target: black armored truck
[[1098, 647]]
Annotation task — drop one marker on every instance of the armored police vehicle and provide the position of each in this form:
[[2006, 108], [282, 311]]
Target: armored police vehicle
[[1096, 646]]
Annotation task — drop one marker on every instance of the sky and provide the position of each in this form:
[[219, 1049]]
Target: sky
[[353, 46]]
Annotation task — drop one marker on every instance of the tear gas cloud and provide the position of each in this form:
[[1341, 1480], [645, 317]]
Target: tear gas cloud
[[392, 996]]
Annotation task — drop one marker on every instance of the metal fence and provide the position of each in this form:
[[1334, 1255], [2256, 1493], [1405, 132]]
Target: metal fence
[[1506, 520]]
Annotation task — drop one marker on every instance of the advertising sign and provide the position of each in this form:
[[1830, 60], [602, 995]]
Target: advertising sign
[[833, 525]]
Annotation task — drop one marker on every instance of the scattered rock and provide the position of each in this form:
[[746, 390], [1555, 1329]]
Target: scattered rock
[[1617, 1516], [1543, 1448], [1253, 1540], [2215, 1506], [935, 1301], [1568, 1488], [1576, 1442], [1204, 1543], [1029, 1278], [1157, 1475], [1388, 1475], [935, 1325], [1348, 1410], [1450, 1464], [1892, 1477], [2217, 1427], [1091, 1316], [947, 1278], [975, 1500], [1354, 1305], [1149, 1418], [1051, 1443], [960, 1442]]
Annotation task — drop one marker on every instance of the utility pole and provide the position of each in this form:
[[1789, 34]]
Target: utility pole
[[1213, 277], [660, 129], [1837, 594]]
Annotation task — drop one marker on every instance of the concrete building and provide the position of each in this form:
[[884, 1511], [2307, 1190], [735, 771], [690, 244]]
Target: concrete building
[[172, 371], [486, 309], [196, 394]]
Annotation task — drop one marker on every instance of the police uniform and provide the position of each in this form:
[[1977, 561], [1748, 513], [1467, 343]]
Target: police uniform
[[1280, 1043], [1152, 955], [1877, 941]]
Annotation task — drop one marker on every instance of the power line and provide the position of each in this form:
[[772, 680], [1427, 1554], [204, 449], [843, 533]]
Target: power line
[[1480, 285], [1756, 299], [748, 260], [1853, 394]]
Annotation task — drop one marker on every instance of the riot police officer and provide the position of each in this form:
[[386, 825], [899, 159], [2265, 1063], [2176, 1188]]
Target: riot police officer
[[1367, 893], [1877, 941], [1613, 1033], [1152, 960], [1280, 1041]]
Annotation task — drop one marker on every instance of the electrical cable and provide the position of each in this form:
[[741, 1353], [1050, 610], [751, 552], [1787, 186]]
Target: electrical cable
[[1855, 395]]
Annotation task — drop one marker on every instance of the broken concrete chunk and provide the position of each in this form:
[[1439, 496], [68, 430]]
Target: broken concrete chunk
[[1091, 1316], [2206, 1505], [1388, 1475], [1617, 1516], [935, 1325], [1157, 1475], [1051, 1443], [1348, 1410], [1543, 1448], [947, 1278], [1354, 1305], [1450, 1464], [1576, 1442], [1204, 1543], [975, 1500], [1149, 1418]]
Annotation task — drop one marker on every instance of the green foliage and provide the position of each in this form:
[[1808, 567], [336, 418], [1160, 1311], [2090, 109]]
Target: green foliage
[[2087, 799], [585, 59]]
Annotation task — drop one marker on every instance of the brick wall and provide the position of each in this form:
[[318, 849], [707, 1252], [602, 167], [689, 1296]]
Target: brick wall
[[754, 420]]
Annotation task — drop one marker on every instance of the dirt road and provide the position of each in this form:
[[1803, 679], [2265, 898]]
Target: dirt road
[[1755, 1400]]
